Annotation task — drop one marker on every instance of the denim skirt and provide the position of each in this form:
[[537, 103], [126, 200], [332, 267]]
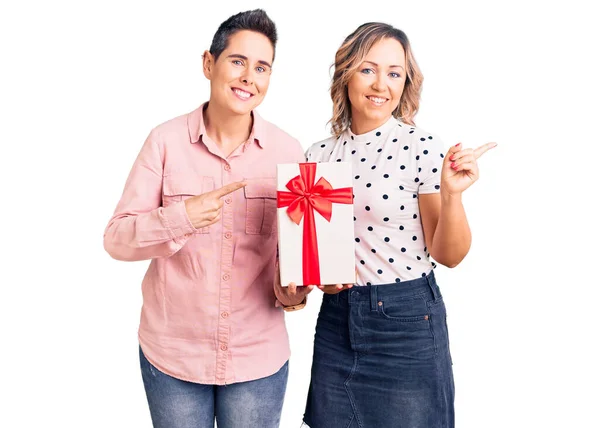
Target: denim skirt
[[382, 359]]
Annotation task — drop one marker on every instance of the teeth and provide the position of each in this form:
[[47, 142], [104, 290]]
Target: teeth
[[377, 100], [242, 94]]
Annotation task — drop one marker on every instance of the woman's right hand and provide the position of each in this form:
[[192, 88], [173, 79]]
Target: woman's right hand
[[205, 209], [334, 288]]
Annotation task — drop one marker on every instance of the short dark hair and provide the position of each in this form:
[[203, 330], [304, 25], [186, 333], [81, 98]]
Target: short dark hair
[[255, 20]]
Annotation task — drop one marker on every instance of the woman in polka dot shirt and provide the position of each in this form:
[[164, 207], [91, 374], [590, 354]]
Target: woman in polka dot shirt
[[381, 353]]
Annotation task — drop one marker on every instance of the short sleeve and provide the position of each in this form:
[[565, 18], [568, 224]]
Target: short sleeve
[[430, 159]]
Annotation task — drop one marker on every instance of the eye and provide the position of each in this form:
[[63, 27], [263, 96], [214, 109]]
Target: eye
[[367, 71], [261, 69], [237, 62], [395, 75]]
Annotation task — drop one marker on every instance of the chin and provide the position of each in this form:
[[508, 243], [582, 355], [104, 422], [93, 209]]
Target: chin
[[241, 108], [377, 115]]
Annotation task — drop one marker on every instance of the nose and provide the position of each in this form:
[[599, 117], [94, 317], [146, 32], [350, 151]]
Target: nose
[[246, 77], [379, 84]]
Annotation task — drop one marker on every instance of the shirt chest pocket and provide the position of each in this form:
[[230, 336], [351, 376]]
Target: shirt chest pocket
[[176, 189], [261, 206]]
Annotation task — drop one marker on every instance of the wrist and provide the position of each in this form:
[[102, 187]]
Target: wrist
[[188, 211], [295, 307], [450, 198]]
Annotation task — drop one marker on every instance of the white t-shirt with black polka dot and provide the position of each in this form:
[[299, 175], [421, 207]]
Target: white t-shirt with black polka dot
[[392, 165]]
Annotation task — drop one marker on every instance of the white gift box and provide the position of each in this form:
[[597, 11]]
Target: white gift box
[[320, 251]]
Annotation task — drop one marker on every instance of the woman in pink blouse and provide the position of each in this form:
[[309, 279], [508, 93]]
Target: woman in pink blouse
[[200, 202]]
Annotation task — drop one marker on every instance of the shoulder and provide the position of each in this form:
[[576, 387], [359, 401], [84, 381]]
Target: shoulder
[[173, 132], [320, 151], [170, 133], [274, 133], [418, 135], [420, 142], [174, 125], [287, 147]]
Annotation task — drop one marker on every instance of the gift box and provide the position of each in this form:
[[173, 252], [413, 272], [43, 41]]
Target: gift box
[[315, 222]]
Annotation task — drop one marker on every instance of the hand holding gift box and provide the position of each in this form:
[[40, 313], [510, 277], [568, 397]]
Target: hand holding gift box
[[315, 223]]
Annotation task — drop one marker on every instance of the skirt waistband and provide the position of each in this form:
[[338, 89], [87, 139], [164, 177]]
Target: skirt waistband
[[398, 290]]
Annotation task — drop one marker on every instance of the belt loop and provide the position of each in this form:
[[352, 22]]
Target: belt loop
[[373, 291], [432, 285]]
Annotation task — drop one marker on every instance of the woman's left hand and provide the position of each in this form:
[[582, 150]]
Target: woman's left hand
[[460, 168]]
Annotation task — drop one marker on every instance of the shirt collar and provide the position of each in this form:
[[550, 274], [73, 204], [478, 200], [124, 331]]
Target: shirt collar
[[197, 129]]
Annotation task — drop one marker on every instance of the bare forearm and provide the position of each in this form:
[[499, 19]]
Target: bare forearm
[[452, 238]]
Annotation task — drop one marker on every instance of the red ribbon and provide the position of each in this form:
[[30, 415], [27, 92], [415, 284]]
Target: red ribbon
[[304, 198]]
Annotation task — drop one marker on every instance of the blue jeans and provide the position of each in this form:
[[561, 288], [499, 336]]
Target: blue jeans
[[176, 403], [382, 359]]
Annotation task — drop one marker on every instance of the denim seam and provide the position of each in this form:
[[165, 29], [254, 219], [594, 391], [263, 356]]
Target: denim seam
[[409, 297], [402, 320], [448, 339], [351, 419], [429, 305], [435, 348], [349, 392]]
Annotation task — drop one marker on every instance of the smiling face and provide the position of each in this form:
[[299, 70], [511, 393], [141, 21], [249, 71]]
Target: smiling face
[[376, 87], [239, 78]]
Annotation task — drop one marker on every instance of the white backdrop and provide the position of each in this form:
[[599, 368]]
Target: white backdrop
[[82, 83]]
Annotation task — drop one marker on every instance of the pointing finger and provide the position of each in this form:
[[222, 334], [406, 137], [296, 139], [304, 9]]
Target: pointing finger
[[482, 149], [228, 188]]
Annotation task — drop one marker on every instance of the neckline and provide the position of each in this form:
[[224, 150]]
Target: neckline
[[373, 135]]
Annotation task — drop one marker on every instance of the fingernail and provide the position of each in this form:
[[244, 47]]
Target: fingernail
[[350, 285], [457, 145], [453, 165], [310, 287], [320, 286], [339, 286], [451, 157]]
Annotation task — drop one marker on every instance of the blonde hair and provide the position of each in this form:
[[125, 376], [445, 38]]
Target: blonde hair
[[349, 57]]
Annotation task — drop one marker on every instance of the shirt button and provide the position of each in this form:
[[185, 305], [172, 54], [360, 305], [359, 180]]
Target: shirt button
[[227, 167], [228, 200], [228, 235], [223, 347], [224, 314], [226, 277]]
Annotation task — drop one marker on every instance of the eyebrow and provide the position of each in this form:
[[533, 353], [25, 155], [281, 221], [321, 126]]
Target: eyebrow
[[260, 61], [391, 66]]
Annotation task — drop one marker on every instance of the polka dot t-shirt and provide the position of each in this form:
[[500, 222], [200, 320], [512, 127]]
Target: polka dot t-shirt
[[391, 166]]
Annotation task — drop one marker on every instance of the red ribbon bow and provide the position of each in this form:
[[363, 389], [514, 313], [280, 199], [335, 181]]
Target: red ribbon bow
[[306, 196]]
